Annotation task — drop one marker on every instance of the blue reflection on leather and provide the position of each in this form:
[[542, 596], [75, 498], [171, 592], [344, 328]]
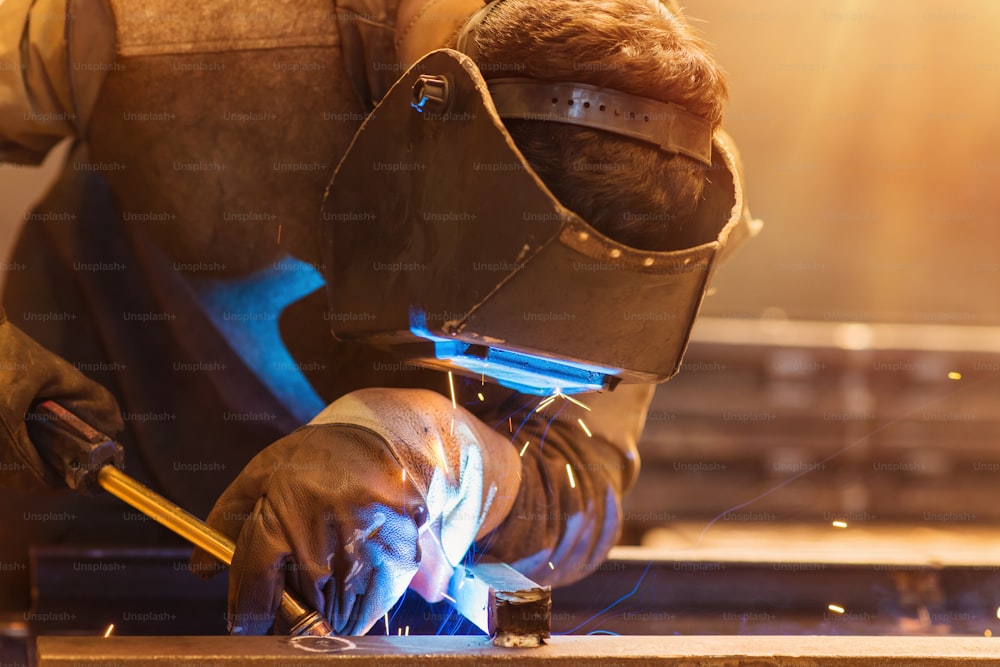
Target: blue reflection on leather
[[246, 311]]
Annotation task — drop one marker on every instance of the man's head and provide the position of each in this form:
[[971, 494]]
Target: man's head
[[502, 285], [626, 188]]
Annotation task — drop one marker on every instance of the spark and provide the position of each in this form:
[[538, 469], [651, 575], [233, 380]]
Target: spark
[[546, 403], [551, 566], [279, 234], [954, 375], [451, 383], [482, 379], [525, 448], [510, 424], [837, 609], [576, 402], [584, 427], [386, 618], [572, 482], [481, 397], [404, 475], [107, 633], [839, 524], [448, 598]]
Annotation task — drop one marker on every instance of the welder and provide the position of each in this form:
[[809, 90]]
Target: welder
[[182, 260]]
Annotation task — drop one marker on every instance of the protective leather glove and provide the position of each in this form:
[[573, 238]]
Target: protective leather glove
[[384, 488], [30, 374]]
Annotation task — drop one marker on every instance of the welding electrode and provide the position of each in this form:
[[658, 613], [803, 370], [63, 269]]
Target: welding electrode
[[90, 461]]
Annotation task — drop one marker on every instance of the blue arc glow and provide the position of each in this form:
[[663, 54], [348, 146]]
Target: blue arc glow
[[523, 372]]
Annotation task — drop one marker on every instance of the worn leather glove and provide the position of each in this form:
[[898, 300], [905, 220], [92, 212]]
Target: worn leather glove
[[30, 374], [384, 488]]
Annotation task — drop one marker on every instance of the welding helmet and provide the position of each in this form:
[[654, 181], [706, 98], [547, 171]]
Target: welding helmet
[[442, 245]]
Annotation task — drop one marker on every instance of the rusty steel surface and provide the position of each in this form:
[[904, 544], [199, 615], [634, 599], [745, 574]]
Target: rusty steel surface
[[512, 609], [569, 651]]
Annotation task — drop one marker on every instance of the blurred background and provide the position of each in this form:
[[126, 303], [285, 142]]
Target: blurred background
[[838, 404], [858, 333], [869, 135]]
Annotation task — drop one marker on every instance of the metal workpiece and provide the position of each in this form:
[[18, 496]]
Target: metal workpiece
[[721, 651], [514, 610]]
